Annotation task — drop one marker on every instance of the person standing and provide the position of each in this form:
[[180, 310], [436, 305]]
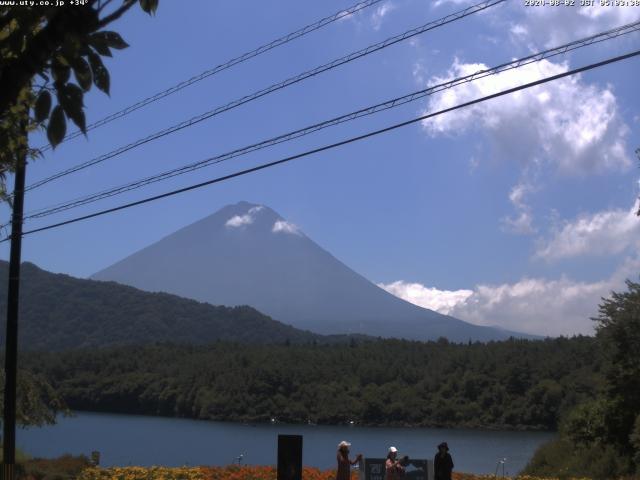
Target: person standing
[[443, 463], [344, 464], [393, 468]]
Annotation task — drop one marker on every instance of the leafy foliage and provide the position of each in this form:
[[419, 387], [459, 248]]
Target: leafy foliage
[[585, 425], [37, 402], [21, 457], [61, 468], [40, 46], [562, 459], [601, 438], [512, 384], [618, 327]]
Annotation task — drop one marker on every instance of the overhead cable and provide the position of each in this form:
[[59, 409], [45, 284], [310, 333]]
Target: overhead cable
[[479, 7], [389, 104], [224, 66], [333, 145]]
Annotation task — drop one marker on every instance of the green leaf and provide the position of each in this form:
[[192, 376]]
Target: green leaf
[[149, 6], [100, 45], [100, 73], [70, 97], [80, 120], [110, 39], [62, 60], [60, 71], [83, 73], [57, 126], [70, 49], [42, 106]]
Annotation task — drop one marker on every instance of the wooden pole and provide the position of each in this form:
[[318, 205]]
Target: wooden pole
[[11, 347]]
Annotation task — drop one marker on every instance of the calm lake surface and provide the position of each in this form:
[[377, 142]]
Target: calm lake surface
[[137, 440]]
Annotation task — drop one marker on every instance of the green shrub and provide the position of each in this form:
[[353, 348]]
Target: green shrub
[[563, 459], [65, 467], [635, 444]]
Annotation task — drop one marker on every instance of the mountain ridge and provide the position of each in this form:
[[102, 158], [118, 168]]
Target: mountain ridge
[[59, 312], [248, 254]]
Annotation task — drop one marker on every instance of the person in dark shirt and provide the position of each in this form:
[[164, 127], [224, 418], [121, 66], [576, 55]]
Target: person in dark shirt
[[442, 463], [344, 464]]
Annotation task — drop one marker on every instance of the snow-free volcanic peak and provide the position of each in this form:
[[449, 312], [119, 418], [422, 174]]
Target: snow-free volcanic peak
[[247, 254]]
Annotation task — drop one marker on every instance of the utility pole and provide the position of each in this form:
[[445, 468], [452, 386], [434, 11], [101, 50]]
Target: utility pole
[[11, 347]]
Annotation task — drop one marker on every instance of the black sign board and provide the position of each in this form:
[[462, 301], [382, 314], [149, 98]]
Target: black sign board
[[289, 457], [374, 469]]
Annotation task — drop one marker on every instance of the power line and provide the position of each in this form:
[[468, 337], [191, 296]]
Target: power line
[[333, 145], [599, 37], [275, 87], [224, 66]]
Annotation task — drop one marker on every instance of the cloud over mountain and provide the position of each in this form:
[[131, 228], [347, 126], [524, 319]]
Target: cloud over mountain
[[552, 307]]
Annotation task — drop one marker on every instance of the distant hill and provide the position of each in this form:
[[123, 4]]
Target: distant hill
[[61, 312], [247, 254]]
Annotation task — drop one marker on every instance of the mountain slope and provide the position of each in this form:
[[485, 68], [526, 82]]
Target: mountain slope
[[61, 312], [247, 254]]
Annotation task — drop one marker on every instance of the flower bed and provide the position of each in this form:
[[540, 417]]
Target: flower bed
[[234, 472], [473, 476], [231, 472]]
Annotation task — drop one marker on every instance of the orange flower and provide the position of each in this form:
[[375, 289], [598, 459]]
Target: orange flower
[[234, 472]]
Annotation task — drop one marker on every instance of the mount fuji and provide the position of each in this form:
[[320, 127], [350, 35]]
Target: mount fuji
[[247, 254]]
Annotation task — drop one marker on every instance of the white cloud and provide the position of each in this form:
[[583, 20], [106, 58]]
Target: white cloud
[[551, 27], [519, 30], [441, 301], [347, 16], [282, 226], [415, 42], [239, 220], [608, 232], [378, 15], [474, 163], [522, 223], [246, 219], [556, 26], [437, 3], [419, 71], [536, 306], [569, 124]]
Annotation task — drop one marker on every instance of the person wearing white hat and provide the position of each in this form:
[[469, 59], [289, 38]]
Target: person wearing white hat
[[393, 469], [344, 464]]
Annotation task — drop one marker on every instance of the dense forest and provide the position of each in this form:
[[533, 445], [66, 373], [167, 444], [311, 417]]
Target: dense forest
[[62, 312], [512, 384]]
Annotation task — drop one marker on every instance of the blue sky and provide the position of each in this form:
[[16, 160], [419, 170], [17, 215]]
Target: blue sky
[[517, 212]]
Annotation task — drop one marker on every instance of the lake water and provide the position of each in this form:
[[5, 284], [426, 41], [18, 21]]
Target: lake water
[[138, 440]]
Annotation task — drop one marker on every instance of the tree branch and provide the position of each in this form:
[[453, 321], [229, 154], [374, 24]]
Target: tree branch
[[116, 14], [104, 5]]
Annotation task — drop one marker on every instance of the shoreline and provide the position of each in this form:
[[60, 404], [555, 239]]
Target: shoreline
[[262, 423]]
